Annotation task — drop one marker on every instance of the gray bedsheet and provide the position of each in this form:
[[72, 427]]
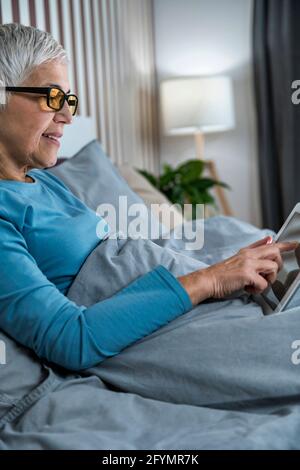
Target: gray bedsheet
[[220, 376]]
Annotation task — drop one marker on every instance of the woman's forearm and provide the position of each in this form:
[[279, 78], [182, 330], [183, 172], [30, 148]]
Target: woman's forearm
[[81, 340]]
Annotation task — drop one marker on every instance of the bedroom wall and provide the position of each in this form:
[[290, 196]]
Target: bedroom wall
[[195, 37], [110, 44]]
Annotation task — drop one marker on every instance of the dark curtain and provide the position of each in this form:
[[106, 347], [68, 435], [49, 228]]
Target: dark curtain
[[276, 51]]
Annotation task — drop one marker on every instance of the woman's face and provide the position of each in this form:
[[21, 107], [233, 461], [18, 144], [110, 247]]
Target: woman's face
[[24, 121]]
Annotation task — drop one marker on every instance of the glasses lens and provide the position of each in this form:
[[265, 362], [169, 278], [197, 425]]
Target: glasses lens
[[73, 103], [56, 98]]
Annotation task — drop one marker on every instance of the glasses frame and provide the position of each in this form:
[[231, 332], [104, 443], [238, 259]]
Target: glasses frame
[[45, 91]]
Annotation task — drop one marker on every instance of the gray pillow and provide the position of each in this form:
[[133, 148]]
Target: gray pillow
[[93, 178]]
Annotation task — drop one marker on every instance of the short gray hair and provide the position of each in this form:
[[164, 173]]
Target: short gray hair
[[22, 49]]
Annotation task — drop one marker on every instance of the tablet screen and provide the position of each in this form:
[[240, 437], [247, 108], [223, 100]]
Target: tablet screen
[[290, 269]]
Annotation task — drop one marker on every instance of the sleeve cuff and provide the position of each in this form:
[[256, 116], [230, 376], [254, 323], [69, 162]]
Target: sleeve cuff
[[175, 285]]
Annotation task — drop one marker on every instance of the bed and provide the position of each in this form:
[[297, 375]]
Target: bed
[[220, 376]]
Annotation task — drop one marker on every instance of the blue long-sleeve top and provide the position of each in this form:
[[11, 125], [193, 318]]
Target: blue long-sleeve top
[[46, 233]]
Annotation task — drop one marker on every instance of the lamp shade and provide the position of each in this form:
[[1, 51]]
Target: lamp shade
[[198, 104]]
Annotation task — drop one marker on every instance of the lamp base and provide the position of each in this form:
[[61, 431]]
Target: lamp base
[[225, 206], [199, 142], [211, 166]]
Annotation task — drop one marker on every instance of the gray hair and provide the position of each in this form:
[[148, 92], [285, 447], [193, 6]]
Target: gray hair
[[22, 49]]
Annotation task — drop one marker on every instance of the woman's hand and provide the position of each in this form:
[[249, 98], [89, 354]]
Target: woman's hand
[[252, 269]]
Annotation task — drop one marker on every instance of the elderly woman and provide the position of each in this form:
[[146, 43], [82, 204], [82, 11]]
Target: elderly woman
[[46, 232]]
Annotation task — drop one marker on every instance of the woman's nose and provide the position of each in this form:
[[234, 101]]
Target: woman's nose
[[64, 115]]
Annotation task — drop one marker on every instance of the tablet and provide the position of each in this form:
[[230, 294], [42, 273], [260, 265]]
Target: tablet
[[284, 293]]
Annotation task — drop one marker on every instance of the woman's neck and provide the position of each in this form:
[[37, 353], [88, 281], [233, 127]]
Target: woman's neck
[[14, 175]]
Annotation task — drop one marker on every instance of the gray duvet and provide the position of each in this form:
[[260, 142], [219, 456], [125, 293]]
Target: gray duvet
[[220, 376]]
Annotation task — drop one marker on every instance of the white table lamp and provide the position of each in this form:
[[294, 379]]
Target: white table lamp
[[197, 106]]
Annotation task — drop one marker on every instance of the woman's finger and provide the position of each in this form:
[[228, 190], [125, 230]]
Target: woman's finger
[[287, 246], [263, 272], [258, 285], [267, 269], [270, 278], [274, 256], [263, 241], [266, 266], [273, 249]]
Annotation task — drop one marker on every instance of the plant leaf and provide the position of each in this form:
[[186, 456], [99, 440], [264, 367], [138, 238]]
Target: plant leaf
[[167, 168], [204, 183], [224, 185], [190, 170], [151, 178]]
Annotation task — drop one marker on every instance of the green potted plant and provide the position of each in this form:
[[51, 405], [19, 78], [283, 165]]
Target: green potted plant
[[185, 184]]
